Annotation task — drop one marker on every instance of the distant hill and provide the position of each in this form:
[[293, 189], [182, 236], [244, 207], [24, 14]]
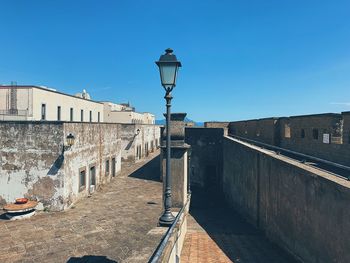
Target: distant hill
[[196, 123]]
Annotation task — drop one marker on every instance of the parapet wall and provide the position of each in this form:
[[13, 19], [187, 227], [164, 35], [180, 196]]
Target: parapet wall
[[325, 136], [217, 124], [303, 209]]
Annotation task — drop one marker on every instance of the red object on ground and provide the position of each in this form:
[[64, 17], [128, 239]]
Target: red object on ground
[[21, 200]]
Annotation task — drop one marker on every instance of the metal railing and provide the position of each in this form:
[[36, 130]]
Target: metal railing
[[302, 155], [162, 245]]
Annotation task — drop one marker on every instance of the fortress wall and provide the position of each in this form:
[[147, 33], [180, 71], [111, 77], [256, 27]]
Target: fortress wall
[[302, 209], [325, 136], [206, 158]]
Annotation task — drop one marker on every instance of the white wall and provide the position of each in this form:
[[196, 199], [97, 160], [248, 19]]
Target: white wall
[[53, 100]]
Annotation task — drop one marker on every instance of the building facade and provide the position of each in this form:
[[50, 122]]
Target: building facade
[[36, 103], [33, 103], [122, 113]]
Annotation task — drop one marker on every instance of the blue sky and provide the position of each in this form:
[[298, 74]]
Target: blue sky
[[241, 59]]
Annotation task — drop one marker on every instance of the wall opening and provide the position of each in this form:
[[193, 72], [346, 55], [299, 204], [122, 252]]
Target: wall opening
[[315, 134], [82, 179], [58, 113], [43, 111], [107, 168]]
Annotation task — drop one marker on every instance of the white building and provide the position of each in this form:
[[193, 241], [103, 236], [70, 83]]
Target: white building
[[35, 103], [123, 113]]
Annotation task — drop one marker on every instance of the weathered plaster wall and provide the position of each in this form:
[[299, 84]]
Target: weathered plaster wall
[[34, 164], [95, 143], [30, 158], [148, 136], [299, 207]]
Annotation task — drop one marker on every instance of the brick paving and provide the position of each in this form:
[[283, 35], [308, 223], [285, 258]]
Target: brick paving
[[216, 234], [118, 223]]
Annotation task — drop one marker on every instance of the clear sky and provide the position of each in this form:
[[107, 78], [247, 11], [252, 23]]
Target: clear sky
[[241, 59]]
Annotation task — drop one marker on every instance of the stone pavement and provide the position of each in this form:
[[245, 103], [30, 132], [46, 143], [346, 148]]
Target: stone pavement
[[215, 234], [118, 223]]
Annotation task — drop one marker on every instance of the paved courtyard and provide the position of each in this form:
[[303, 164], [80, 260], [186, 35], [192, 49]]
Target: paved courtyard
[[116, 224], [218, 235]]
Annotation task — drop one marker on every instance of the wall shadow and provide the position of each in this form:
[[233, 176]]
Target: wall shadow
[[239, 240], [91, 259], [149, 171]]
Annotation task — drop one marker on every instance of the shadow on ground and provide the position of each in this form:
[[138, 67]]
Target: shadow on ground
[[239, 240], [149, 171], [91, 259]]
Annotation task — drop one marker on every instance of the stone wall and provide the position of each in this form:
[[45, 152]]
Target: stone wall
[[97, 147], [302, 209], [263, 130], [138, 140], [206, 157], [324, 136], [31, 157], [217, 124], [35, 164]]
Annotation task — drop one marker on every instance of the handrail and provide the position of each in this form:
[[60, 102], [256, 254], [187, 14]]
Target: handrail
[[159, 250], [344, 167]]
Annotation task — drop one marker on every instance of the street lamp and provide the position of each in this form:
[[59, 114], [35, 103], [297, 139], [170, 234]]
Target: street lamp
[[168, 68]]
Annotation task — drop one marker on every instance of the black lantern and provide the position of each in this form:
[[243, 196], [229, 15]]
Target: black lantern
[[168, 68], [70, 140], [137, 132]]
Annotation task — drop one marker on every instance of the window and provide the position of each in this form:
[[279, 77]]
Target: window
[[58, 113], [98, 117], [71, 114], [302, 133], [107, 167], [90, 116], [113, 166], [92, 176], [82, 179], [315, 134], [43, 111], [81, 115], [287, 130]]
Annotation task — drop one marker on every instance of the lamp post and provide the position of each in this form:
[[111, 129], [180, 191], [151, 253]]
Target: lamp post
[[168, 68]]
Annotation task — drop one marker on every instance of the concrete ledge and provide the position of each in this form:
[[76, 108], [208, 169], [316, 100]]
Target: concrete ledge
[[301, 208], [169, 250]]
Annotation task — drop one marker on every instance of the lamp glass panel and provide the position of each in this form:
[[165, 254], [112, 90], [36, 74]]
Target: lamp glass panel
[[168, 73]]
